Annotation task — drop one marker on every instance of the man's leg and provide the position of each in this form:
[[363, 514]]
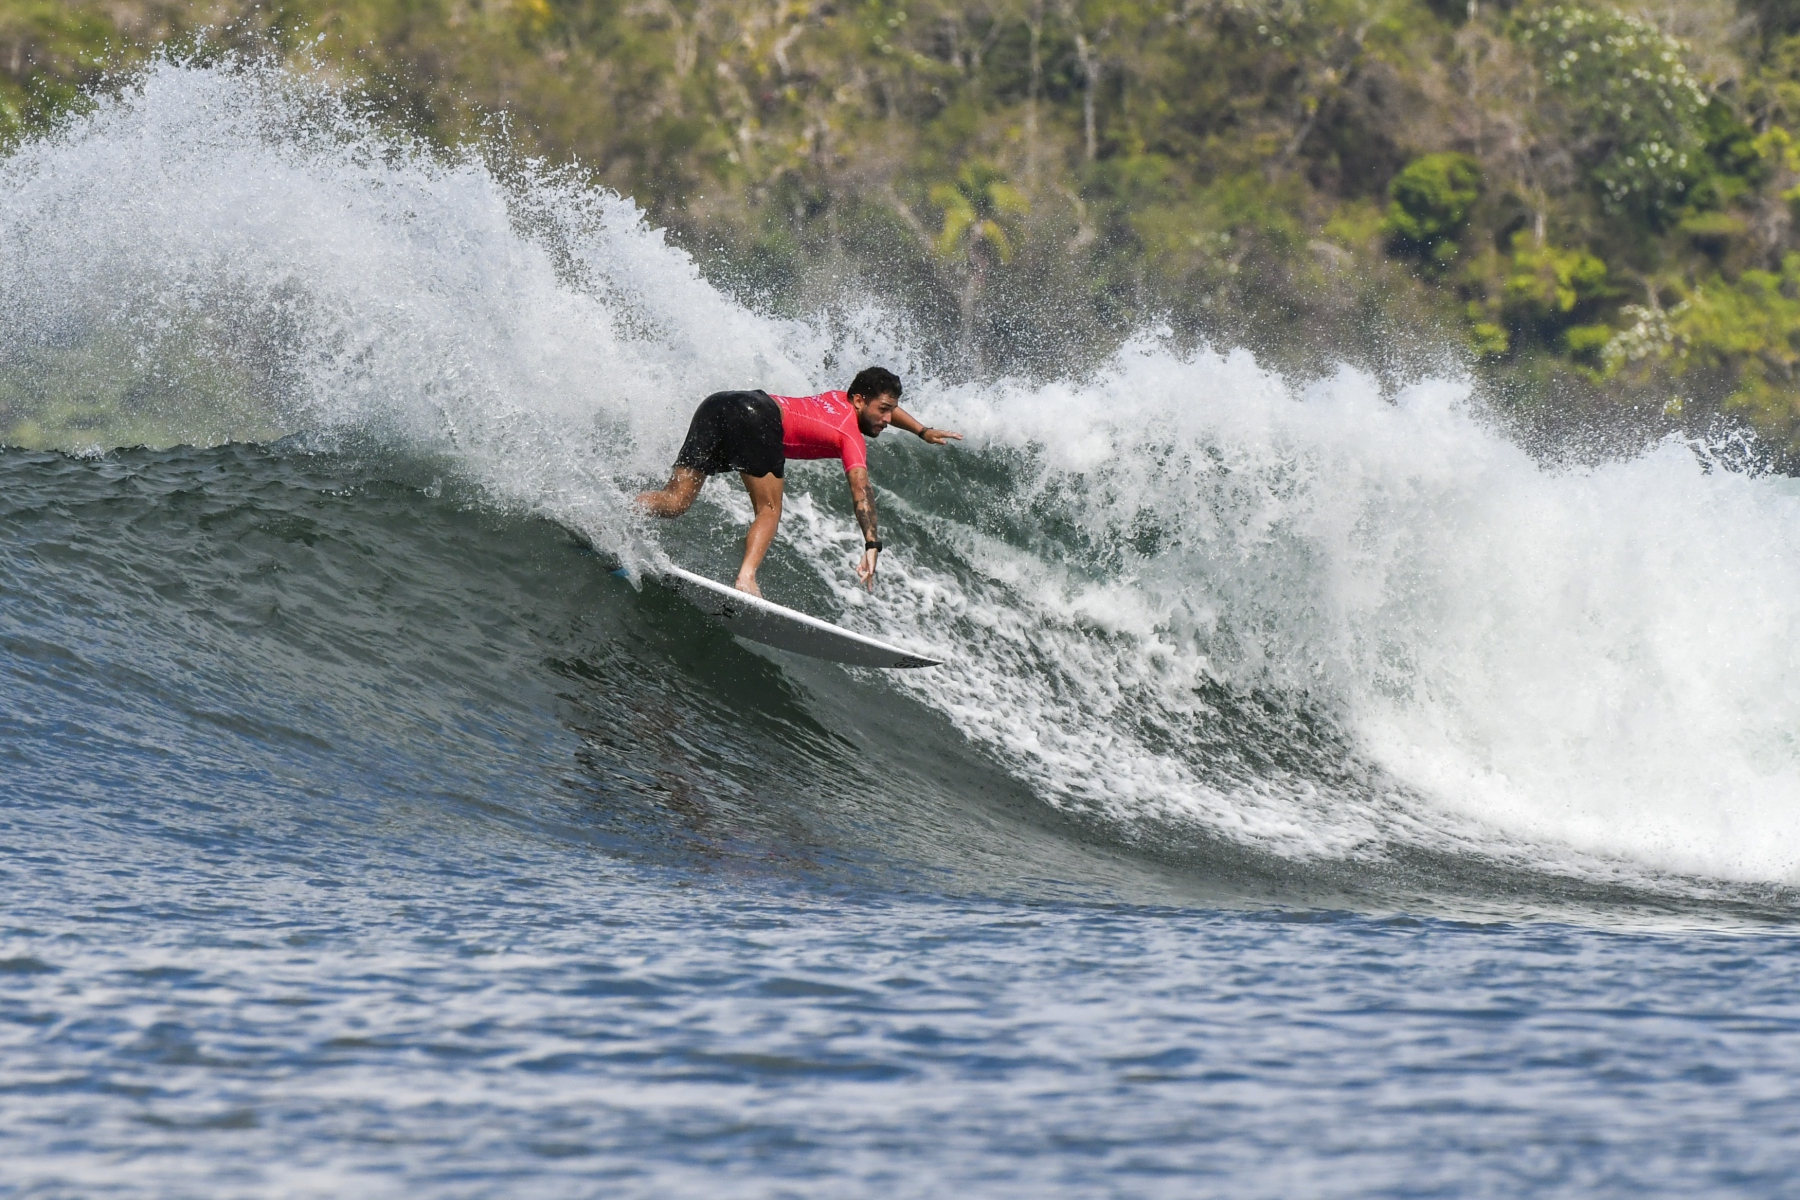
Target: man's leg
[[678, 496], [765, 498]]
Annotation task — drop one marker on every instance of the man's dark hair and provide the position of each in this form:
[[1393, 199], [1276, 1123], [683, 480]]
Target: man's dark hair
[[871, 382]]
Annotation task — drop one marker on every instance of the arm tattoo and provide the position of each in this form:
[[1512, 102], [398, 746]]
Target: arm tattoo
[[864, 501], [862, 498]]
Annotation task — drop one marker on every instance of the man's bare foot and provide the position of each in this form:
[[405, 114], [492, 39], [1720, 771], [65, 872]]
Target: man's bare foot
[[748, 584]]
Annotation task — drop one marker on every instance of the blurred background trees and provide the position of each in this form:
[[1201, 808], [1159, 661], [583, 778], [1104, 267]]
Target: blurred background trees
[[1593, 203]]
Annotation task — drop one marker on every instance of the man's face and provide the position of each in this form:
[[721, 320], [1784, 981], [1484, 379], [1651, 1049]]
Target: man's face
[[874, 412]]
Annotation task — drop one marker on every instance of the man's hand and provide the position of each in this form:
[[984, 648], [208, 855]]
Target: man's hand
[[865, 570], [911, 424]]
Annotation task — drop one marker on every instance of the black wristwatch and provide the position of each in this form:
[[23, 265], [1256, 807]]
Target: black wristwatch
[[871, 545]]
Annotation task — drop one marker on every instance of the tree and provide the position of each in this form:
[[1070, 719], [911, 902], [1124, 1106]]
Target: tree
[[1639, 116], [1430, 204], [974, 236]]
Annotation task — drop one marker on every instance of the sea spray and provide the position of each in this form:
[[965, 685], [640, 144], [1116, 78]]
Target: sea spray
[[1602, 658], [1323, 621], [228, 252]]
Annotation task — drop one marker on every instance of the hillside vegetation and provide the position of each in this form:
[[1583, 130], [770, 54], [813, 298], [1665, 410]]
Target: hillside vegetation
[[1594, 202]]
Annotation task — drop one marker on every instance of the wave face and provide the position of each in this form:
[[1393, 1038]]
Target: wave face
[[1190, 608]]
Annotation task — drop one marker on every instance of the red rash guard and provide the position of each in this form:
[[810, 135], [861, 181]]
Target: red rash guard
[[822, 426]]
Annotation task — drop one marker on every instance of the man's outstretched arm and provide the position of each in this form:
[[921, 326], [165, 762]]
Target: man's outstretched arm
[[862, 498], [911, 424]]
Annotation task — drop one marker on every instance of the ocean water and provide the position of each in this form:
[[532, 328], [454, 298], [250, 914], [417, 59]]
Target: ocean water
[[1321, 796]]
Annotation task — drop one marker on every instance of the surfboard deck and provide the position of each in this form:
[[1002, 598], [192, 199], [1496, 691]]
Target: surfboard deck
[[771, 624]]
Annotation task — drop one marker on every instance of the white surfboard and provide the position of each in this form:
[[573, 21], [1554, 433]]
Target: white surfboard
[[760, 621]]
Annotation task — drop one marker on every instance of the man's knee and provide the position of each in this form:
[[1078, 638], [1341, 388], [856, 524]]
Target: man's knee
[[676, 496], [765, 491]]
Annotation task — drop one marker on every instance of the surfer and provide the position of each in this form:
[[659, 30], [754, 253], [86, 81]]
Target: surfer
[[754, 434]]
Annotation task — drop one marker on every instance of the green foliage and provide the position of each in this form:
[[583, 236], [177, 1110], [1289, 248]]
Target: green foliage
[[1639, 113], [1731, 144], [1745, 332], [1750, 331], [1431, 200], [1548, 287], [978, 207], [1489, 339], [55, 50], [1587, 343], [1773, 89], [1042, 178], [1713, 231]]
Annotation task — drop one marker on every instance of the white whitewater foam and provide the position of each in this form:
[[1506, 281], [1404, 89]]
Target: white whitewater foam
[[1585, 668], [241, 216], [1600, 658]]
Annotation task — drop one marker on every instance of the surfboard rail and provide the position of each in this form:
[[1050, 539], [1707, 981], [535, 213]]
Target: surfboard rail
[[771, 624]]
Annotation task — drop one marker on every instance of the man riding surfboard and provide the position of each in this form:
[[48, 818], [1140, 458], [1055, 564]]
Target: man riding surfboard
[[754, 434]]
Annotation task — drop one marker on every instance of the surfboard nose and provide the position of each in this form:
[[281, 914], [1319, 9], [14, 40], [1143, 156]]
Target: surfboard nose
[[771, 624]]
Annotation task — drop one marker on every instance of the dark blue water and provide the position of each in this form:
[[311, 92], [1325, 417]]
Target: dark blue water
[[364, 842]]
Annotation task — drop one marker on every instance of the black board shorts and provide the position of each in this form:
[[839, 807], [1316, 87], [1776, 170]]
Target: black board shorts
[[735, 431]]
